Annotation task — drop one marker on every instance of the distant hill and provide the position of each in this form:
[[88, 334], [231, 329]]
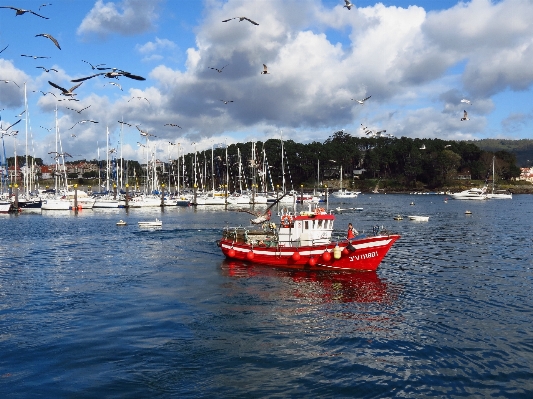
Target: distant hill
[[522, 149]]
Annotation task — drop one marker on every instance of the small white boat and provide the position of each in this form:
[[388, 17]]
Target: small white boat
[[468, 212], [398, 217], [121, 223], [418, 218], [157, 223]]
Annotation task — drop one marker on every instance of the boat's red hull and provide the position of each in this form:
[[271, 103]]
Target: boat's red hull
[[368, 254]]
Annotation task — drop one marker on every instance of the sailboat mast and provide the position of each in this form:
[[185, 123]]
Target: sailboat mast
[[282, 166], [26, 177]]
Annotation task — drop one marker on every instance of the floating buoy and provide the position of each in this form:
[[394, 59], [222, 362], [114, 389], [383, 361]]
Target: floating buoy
[[337, 252], [296, 256], [312, 261], [412, 203], [250, 255], [231, 253], [468, 212], [326, 256]]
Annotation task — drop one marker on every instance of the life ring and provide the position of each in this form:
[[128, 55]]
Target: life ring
[[286, 220], [320, 210]]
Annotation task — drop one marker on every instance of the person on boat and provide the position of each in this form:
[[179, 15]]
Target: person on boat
[[351, 232]]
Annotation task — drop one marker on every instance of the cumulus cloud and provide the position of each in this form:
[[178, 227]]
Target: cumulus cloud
[[129, 18]]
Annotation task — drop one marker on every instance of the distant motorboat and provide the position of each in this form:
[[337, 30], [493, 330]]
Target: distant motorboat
[[471, 194], [415, 218], [156, 223], [121, 223], [398, 217]]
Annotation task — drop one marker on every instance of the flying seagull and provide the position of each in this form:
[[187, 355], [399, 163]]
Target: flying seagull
[[47, 70], [95, 66], [423, 147], [33, 56], [265, 70], [361, 101], [241, 19], [172, 124], [20, 11], [83, 121], [44, 5], [46, 128], [22, 113], [79, 112], [348, 4], [125, 123], [465, 116], [464, 100], [144, 133], [1, 51], [219, 70], [114, 73], [60, 154], [47, 35], [447, 145], [140, 98], [262, 217], [12, 81], [10, 126], [226, 101], [73, 135], [116, 84], [65, 92]]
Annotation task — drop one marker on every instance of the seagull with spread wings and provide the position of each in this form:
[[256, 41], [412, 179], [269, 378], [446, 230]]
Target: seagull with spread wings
[[47, 70], [47, 35], [79, 112], [20, 11], [9, 127], [348, 4], [172, 124], [113, 74], [226, 101], [10, 81], [125, 123], [464, 100], [116, 84], [139, 98], [65, 92], [1, 51], [95, 66], [265, 70], [361, 101], [145, 133], [219, 70], [33, 56], [465, 116], [241, 19], [83, 121]]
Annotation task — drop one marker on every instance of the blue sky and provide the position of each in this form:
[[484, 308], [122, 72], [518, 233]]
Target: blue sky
[[416, 59]]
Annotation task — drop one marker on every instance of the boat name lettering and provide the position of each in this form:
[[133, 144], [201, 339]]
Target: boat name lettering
[[372, 254]]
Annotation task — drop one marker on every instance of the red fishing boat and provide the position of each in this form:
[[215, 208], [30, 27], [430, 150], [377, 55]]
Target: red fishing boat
[[304, 241]]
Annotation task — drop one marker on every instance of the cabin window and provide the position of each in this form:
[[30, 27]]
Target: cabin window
[[306, 225]]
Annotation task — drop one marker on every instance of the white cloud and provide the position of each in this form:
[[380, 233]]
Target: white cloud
[[130, 18]]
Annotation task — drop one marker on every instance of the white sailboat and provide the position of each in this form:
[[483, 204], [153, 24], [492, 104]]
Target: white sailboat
[[343, 193], [498, 194]]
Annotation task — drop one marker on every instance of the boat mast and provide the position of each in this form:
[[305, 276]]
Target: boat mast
[[107, 159], [282, 166], [26, 177]]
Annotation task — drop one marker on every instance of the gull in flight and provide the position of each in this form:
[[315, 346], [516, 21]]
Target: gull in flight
[[447, 145], [60, 154], [33, 56], [8, 81], [20, 11], [361, 101], [48, 92], [65, 92], [73, 135], [241, 19], [219, 70], [114, 73], [465, 116], [115, 84], [140, 98], [1, 51], [226, 101], [423, 147], [125, 123], [47, 70], [79, 112], [265, 70], [144, 133], [44, 5], [47, 35], [95, 66], [464, 100], [9, 127], [348, 4], [83, 121], [22, 113], [46, 128], [172, 124]]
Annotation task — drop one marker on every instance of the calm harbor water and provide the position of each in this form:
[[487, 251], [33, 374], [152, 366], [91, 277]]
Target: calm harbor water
[[89, 309]]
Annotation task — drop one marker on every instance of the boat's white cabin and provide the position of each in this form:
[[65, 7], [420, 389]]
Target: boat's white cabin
[[306, 228]]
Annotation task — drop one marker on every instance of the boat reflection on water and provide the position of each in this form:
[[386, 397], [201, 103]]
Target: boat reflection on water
[[321, 286]]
